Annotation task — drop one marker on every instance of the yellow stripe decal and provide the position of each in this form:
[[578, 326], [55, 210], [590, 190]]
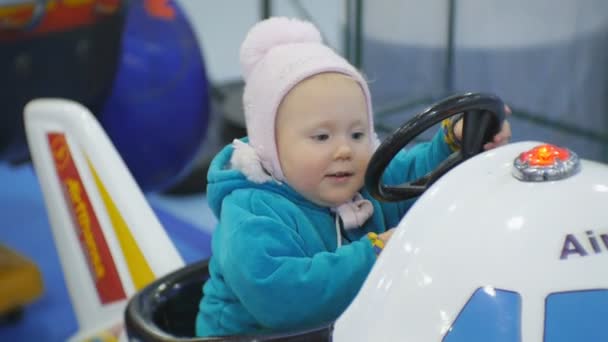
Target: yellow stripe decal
[[141, 273]]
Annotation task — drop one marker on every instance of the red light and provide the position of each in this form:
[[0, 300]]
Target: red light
[[544, 155]]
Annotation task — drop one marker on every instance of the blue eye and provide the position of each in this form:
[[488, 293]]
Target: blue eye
[[358, 135]]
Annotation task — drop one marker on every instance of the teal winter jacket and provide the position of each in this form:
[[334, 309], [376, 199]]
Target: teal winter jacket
[[275, 264]]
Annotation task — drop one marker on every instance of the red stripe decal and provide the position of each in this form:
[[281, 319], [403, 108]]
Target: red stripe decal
[[94, 246]]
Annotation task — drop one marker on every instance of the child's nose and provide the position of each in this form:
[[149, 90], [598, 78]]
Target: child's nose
[[344, 150]]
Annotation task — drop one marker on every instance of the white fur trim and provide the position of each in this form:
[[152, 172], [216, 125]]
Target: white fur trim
[[245, 159]]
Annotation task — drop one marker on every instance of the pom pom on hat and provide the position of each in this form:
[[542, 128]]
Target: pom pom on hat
[[274, 32]]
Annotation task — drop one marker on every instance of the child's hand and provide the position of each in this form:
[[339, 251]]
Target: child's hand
[[386, 235], [500, 139]]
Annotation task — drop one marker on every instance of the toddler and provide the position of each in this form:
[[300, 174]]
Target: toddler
[[298, 233]]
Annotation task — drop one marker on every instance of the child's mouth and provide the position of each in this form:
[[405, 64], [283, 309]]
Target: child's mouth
[[340, 176]]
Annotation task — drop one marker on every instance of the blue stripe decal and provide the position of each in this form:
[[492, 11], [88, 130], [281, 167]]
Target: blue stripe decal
[[489, 315], [576, 316]]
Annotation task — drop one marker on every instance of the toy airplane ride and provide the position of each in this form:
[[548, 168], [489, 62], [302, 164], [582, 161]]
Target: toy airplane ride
[[511, 245], [108, 238]]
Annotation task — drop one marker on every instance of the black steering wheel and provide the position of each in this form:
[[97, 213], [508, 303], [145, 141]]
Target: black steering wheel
[[483, 115]]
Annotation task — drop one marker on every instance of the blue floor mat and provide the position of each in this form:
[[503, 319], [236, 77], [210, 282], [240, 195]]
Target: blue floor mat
[[24, 227]]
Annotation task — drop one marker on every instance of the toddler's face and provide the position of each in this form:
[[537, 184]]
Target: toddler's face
[[323, 140]]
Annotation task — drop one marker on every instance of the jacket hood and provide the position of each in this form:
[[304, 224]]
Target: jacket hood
[[224, 177]]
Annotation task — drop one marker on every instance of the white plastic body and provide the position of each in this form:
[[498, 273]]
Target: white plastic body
[[476, 227], [99, 169]]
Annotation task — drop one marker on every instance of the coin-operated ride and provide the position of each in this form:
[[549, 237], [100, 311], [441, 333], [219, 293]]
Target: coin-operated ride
[[136, 65], [509, 244], [61, 48]]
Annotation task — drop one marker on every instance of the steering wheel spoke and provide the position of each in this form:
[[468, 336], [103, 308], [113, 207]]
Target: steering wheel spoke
[[482, 119], [475, 132]]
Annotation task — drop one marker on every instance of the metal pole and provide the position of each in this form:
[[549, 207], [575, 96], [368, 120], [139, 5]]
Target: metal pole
[[354, 32], [449, 58], [265, 9]]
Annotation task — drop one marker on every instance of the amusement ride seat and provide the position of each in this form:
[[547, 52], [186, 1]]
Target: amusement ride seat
[[166, 311]]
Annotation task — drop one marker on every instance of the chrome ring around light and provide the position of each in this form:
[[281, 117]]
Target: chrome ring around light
[[561, 169]]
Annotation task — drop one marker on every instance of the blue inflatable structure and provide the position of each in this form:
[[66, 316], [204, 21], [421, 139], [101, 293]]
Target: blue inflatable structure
[[157, 112]]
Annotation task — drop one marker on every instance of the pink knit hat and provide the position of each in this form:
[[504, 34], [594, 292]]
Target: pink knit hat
[[276, 55]]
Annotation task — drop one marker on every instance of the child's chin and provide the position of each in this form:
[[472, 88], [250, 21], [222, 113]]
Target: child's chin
[[336, 201]]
